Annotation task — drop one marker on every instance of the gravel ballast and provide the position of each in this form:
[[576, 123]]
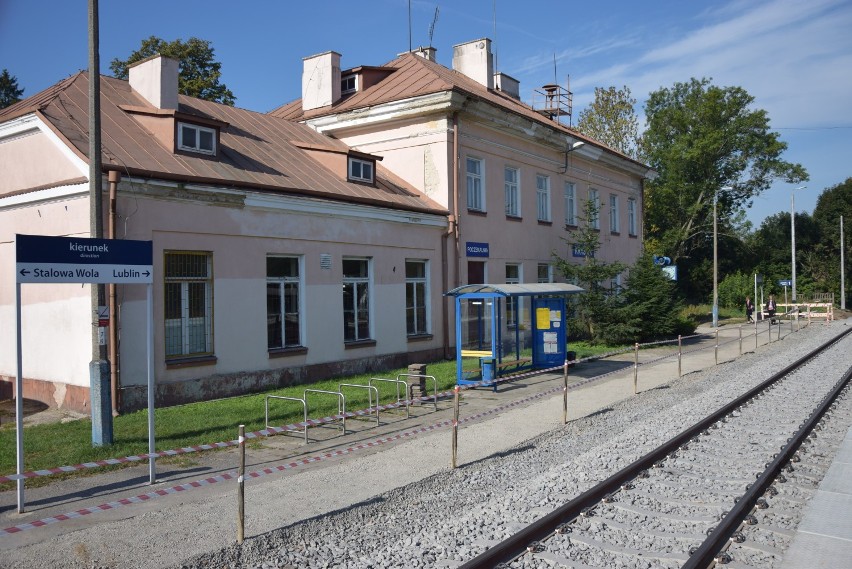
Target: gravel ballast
[[403, 506], [451, 517]]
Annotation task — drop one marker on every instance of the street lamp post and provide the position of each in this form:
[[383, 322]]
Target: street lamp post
[[716, 259], [793, 236]]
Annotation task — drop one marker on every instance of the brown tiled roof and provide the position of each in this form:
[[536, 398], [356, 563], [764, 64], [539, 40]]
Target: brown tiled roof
[[416, 76], [256, 150]]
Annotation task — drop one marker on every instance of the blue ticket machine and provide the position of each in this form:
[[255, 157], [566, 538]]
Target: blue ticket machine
[[548, 315]]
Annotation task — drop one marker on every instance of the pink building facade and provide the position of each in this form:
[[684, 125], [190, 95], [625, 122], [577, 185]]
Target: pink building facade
[[273, 263], [514, 179]]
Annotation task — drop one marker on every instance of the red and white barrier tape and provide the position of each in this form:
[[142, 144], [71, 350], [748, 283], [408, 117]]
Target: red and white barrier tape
[[264, 472], [310, 422]]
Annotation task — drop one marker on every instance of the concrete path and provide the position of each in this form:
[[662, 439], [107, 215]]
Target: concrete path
[[162, 530]]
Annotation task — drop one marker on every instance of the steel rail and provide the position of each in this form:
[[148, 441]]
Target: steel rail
[[517, 544], [706, 554]]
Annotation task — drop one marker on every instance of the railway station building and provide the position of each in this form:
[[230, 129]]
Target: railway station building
[[513, 176], [312, 241], [281, 255]]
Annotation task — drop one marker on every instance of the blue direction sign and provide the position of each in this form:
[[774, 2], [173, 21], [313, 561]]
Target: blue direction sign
[[785, 283], [42, 259]]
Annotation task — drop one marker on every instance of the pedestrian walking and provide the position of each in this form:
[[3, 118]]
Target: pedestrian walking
[[771, 307], [749, 309]]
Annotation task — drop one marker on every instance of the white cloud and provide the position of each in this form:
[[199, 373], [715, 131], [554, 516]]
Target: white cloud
[[793, 57]]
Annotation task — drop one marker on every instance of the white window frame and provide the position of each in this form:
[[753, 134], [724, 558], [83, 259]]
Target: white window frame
[[475, 183], [614, 218], [345, 79], [362, 170], [512, 190], [411, 306], [360, 285], [513, 304], [595, 198], [283, 283], [186, 326], [631, 216], [198, 130], [542, 194], [548, 271], [570, 204]]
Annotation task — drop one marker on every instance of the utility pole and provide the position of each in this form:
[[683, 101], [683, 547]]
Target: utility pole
[[99, 381], [715, 267], [842, 268]]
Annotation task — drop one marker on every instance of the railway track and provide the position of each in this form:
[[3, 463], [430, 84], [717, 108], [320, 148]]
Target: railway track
[[698, 500]]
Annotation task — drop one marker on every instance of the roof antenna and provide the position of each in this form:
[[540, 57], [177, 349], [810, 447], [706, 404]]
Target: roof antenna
[[432, 25], [555, 81], [409, 26], [494, 17]]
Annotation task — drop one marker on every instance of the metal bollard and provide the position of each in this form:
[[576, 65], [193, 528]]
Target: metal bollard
[[755, 334], [241, 496], [716, 349], [769, 330], [455, 423], [779, 330], [679, 354], [565, 393], [635, 367], [741, 339]]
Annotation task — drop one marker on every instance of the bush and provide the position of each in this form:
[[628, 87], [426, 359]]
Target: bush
[[733, 290]]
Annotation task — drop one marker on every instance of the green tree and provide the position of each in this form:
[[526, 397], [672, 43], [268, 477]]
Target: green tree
[[199, 72], [771, 246], [734, 288], [611, 119], [832, 203], [10, 93], [701, 138], [594, 317], [651, 304]]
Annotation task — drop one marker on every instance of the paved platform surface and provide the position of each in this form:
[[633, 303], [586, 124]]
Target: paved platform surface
[[824, 537], [163, 530]]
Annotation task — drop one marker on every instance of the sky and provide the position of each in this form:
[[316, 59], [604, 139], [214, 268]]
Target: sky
[[793, 56]]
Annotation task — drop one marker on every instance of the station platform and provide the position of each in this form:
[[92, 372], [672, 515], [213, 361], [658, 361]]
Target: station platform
[[824, 536], [186, 514]]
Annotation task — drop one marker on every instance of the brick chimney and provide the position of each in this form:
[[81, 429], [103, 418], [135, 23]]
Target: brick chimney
[[156, 80], [320, 80], [475, 60]]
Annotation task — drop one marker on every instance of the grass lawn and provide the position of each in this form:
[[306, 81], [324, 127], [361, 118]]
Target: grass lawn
[[703, 313], [60, 444]]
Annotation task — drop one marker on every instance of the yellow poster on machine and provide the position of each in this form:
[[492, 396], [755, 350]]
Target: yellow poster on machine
[[542, 318]]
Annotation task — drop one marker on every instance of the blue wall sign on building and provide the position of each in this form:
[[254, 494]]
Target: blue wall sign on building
[[577, 251], [43, 259], [475, 249]]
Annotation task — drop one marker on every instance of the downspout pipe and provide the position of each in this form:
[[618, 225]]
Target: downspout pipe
[[445, 283], [455, 189], [114, 179], [453, 230]]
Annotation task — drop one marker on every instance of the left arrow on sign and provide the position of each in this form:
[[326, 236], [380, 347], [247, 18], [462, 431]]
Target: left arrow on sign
[[24, 272]]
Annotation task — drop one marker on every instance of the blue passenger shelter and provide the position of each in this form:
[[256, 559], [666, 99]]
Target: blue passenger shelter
[[480, 332]]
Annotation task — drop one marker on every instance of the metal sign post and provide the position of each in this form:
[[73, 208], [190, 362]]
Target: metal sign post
[[43, 259]]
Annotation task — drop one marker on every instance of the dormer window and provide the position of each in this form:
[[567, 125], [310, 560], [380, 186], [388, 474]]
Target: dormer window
[[348, 84], [361, 170], [195, 138]]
